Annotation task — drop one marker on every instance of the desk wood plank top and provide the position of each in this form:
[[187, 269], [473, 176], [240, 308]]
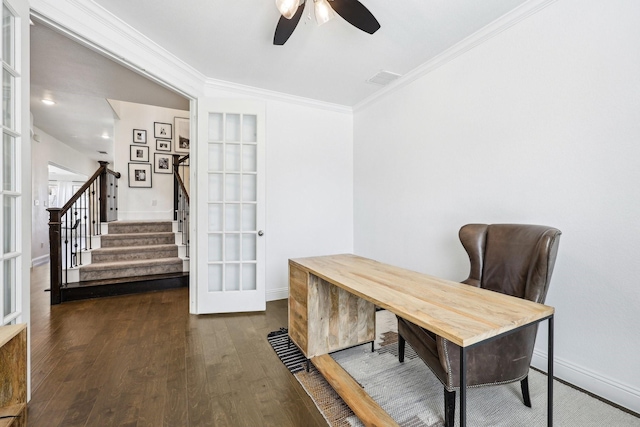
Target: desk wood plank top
[[463, 314]]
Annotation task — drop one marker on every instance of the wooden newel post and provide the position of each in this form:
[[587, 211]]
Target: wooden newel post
[[55, 253], [104, 192]]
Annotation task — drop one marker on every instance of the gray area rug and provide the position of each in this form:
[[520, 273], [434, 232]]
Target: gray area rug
[[413, 396]]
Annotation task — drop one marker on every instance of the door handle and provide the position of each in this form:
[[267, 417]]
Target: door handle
[[260, 233]]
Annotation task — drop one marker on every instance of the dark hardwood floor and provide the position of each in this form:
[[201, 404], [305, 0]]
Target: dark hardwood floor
[[143, 360]]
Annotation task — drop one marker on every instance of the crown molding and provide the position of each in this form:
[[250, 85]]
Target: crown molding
[[95, 27], [266, 94], [501, 24]]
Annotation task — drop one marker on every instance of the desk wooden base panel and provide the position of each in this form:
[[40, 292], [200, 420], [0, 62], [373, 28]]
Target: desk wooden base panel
[[365, 408], [13, 416], [13, 375], [324, 318]]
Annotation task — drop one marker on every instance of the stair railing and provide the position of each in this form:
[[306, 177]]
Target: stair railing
[[72, 226], [181, 197]]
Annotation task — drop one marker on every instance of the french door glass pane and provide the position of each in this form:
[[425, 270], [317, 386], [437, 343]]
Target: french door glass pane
[[232, 247], [249, 158], [215, 157], [7, 36], [248, 217], [8, 162], [232, 128], [215, 217], [8, 100], [215, 247], [249, 188], [9, 283], [232, 277], [9, 224], [248, 247], [215, 187], [232, 218], [249, 281], [249, 128], [216, 127], [232, 161], [215, 278], [232, 188]]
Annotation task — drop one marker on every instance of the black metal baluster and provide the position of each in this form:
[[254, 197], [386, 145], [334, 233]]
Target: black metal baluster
[[67, 259], [94, 229], [85, 219]]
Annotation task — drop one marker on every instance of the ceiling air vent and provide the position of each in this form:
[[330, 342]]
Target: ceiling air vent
[[102, 152], [383, 78]]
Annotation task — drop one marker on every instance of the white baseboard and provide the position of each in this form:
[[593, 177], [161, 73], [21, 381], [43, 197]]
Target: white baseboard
[[40, 260], [276, 294], [600, 385]]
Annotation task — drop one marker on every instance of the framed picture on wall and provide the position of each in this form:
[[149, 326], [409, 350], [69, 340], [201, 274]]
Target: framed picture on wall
[[163, 145], [139, 154], [140, 175], [53, 195], [182, 135], [140, 136], [162, 130], [162, 163]]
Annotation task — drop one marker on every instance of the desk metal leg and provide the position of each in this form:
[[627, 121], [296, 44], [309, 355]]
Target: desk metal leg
[[463, 387], [550, 375]]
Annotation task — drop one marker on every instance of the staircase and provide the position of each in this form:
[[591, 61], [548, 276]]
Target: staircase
[[134, 256]]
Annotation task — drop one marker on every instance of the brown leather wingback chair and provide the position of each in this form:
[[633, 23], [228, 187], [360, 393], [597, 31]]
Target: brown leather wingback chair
[[511, 259]]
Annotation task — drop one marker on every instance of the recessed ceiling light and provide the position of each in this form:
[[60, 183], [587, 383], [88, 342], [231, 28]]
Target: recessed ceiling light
[[48, 102], [105, 136]]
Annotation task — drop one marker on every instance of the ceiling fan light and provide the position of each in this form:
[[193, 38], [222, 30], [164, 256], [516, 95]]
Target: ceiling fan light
[[287, 8], [324, 12]]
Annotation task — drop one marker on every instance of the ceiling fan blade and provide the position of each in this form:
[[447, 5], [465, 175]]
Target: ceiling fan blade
[[356, 14], [285, 27]]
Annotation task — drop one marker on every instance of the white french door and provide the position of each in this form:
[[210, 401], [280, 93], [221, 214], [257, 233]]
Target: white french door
[[11, 268], [230, 203]]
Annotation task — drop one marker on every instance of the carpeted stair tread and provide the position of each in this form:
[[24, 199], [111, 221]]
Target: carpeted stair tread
[[134, 248], [127, 227], [114, 265], [137, 239], [130, 268], [129, 253], [135, 235]]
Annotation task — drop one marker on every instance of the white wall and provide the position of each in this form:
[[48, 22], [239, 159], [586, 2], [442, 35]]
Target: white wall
[[155, 203], [538, 125], [309, 187], [49, 149]]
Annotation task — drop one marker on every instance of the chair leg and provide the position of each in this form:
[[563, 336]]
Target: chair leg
[[524, 385], [401, 342], [449, 408]]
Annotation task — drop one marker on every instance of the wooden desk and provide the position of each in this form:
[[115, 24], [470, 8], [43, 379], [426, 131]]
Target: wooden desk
[[13, 375], [332, 306]]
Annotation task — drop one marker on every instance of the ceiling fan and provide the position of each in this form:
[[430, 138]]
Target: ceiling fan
[[352, 11]]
